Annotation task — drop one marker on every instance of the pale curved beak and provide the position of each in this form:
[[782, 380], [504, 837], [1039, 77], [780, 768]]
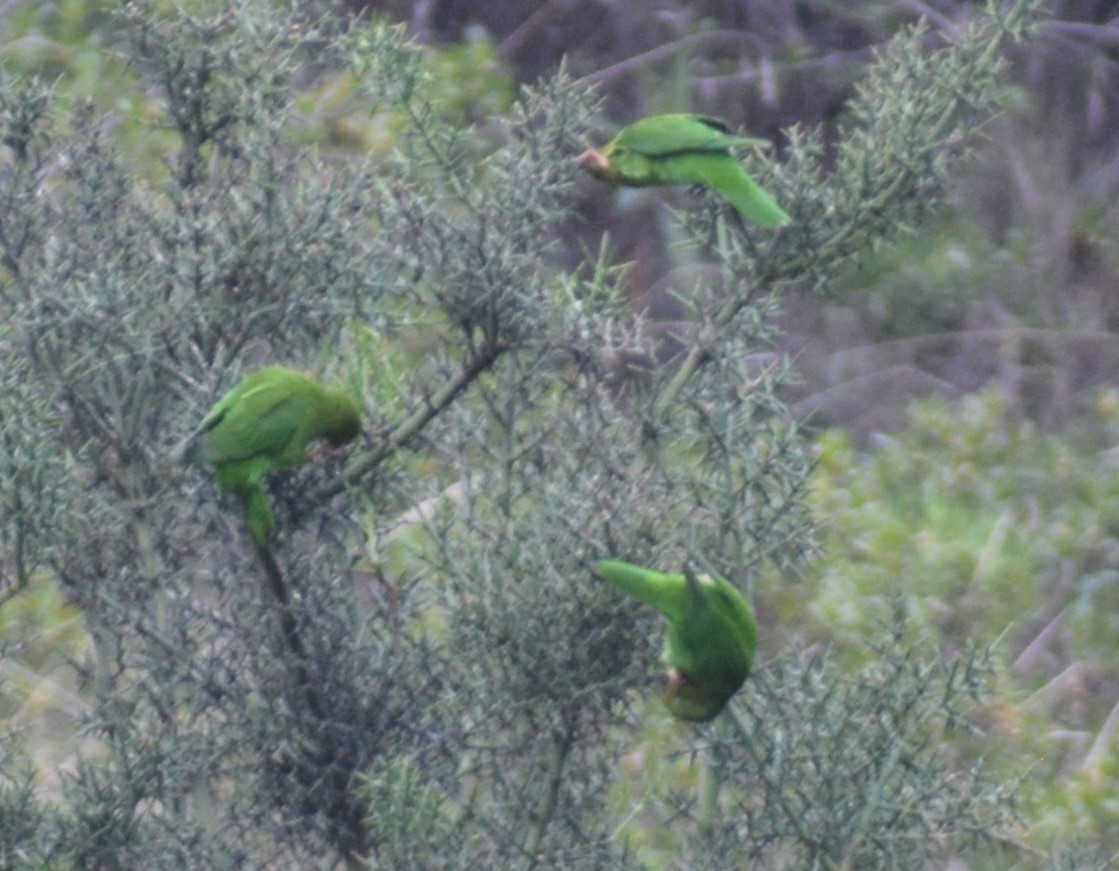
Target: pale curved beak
[[593, 161]]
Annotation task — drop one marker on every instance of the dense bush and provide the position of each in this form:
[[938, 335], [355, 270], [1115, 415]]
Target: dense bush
[[423, 670]]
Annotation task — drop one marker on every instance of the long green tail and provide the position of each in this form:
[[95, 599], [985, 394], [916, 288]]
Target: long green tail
[[258, 514], [666, 593], [755, 204], [725, 175]]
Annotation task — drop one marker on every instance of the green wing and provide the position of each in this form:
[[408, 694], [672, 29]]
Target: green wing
[[664, 135], [258, 418]]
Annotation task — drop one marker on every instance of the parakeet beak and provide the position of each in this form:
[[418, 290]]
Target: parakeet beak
[[594, 162], [676, 682], [327, 451]]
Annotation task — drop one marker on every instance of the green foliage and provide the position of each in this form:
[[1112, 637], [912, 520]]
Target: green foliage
[[888, 790], [968, 513], [33, 489], [469, 80], [451, 662], [407, 816], [819, 766], [26, 827], [52, 40], [991, 530], [925, 285]]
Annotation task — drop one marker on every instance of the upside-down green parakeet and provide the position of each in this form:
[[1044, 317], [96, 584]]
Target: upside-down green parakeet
[[266, 422], [711, 639], [684, 149]]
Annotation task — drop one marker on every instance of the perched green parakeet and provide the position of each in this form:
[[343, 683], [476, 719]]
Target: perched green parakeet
[[266, 422], [684, 150], [711, 640]]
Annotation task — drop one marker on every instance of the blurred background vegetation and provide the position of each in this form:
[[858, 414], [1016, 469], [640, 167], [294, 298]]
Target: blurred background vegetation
[[953, 379]]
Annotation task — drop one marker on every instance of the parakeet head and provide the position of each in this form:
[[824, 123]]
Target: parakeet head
[[595, 162], [688, 700], [344, 421]]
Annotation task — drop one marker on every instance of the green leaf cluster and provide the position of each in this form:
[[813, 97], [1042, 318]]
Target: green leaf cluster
[[984, 528]]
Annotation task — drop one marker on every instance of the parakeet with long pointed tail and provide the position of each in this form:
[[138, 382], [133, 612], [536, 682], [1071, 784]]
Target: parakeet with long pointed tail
[[711, 638], [682, 149]]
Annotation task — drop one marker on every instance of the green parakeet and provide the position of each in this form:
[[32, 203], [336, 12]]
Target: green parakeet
[[266, 422], [684, 150], [711, 639]]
